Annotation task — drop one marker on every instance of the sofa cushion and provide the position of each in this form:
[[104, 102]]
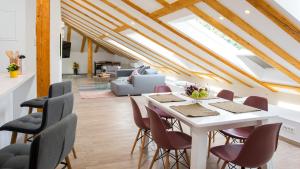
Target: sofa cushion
[[15, 156], [142, 70], [150, 72], [135, 72]]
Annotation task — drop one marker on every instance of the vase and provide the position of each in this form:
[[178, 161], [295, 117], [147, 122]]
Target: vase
[[14, 74]]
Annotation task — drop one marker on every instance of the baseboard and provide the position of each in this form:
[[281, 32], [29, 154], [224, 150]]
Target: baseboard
[[292, 142]]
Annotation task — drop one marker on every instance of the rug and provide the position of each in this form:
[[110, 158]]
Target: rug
[[96, 94]]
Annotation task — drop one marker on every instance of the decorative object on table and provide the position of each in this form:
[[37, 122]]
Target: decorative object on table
[[13, 70], [13, 57], [75, 68], [21, 57], [196, 93]]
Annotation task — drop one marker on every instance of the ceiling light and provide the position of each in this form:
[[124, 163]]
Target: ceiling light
[[247, 12], [221, 17]]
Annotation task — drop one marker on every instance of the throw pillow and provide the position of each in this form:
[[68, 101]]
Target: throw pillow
[[142, 71], [135, 72]]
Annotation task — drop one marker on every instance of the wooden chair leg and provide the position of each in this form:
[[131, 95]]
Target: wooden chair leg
[[227, 140], [210, 134], [14, 136], [154, 158], [218, 160], [224, 165], [68, 162], [167, 162], [25, 138], [142, 149], [74, 153], [177, 159], [135, 140], [179, 124], [30, 110], [187, 157]]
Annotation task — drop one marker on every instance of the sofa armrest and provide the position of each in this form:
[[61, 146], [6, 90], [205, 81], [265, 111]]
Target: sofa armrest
[[124, 72]]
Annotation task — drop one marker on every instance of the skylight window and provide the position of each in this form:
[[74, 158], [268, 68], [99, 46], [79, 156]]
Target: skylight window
[[212, 38], [127, 49], [156, 48]]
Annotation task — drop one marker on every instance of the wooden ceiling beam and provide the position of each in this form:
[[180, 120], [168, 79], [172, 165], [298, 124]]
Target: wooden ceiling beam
[[253, 32], [69, 33], [163, 2], [176, 44], [170, 8], [279, 19], [165, 64], [73, 14]]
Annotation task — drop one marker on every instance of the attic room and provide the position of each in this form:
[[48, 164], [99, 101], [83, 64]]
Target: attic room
[[149, 84]]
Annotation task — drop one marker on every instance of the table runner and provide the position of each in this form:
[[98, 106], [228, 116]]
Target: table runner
[[194, 110], [234, 107]]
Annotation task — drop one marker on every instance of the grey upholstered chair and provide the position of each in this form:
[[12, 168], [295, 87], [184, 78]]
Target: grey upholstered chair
[[54, 110], [45, 152], [55, 90]]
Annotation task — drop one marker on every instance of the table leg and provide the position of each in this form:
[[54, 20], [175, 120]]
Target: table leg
[[199, 149]]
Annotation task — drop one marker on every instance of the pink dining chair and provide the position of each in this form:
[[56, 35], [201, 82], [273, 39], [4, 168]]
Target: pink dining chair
[[174, 122], [143, 123], [257, 150], [226, 94], [244, 132], [168, 141]]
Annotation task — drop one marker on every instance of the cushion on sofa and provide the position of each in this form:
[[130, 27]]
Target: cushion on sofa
[[150, 72], [135, 72]]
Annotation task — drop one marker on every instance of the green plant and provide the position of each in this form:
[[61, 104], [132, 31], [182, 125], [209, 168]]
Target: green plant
[[12, 67]]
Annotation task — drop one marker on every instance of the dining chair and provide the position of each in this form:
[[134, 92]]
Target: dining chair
[[257, 150], [163, 114], [168, 141], [143, 123], [226, 94], [243, 133]]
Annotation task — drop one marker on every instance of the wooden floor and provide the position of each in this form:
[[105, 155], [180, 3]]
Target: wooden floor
[[106, 132]]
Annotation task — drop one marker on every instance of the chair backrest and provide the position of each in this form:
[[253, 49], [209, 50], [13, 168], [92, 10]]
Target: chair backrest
[[59, 89], [137, 116], [162, 89], [257, 102], [158, 131], [226, 94], [259, 147], [47, 148], [56, 109]]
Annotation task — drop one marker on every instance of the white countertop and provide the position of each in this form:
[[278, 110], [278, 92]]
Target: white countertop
[[8, 84]]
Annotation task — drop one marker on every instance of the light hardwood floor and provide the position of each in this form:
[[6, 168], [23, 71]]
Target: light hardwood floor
[[106, 132]]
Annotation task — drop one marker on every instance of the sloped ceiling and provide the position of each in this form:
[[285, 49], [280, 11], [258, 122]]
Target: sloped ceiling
[[263, 28]]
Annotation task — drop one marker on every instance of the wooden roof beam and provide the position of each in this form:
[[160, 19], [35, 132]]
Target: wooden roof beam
[[170, 8], [279, 19], [254, 33]]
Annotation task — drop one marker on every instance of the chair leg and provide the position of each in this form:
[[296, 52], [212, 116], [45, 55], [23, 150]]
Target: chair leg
[[224, 165], [210, 135], [227, 140], [187, 157], [167, 159], [242, 167], [30, 110], [218, 160], [154, 158], [68, 162], [74, 153], [179, 124], [142, 149], [14, 136], [136, 140], [25, 138], [177, 159]]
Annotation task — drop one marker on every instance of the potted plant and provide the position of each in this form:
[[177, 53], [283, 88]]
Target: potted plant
[[13, 70], [75, 68]]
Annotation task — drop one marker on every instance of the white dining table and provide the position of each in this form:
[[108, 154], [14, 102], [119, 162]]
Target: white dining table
[[200, 126]]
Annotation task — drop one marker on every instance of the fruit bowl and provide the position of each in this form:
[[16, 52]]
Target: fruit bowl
[[196, 93]]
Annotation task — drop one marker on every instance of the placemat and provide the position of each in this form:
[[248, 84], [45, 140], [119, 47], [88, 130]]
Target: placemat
[[194, 110], [203, 98], [234, 107], [165, 98]]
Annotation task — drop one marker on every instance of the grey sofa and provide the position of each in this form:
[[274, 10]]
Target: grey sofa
[[140, 83]]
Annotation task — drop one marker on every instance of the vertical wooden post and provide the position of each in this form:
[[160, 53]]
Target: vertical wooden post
[[83, 44], [69, 33], [42, 46], [90, 57]]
